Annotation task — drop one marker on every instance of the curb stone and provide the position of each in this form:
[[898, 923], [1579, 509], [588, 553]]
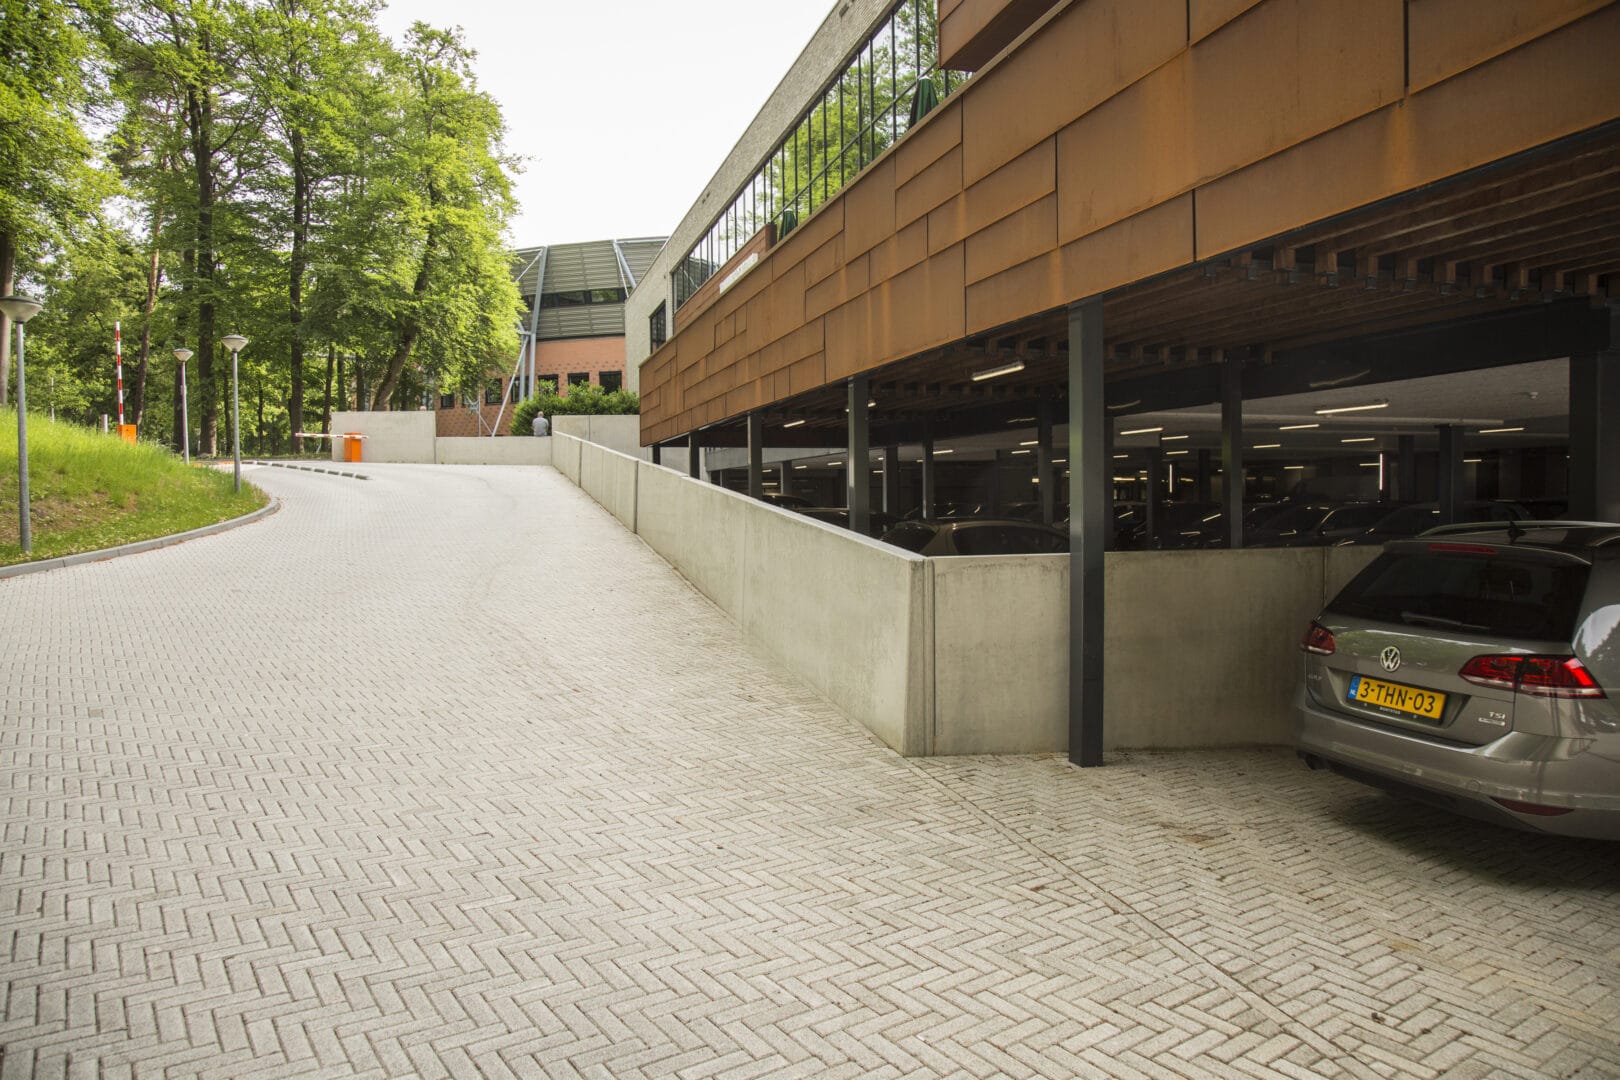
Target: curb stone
[[138, 546]]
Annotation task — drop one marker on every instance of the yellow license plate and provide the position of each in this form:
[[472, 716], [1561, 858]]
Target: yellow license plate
[[1393, 697]]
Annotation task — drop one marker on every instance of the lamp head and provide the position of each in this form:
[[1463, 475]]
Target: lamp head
[[19, 309], [234, 342], [182, 354]]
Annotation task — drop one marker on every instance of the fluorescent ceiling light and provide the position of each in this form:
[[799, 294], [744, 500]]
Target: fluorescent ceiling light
[[1030, 442], [1173, 438], [1119, 456], [1004, 369], [1266, 446], [1498, 430], [947, 451], [1293, 467], [801, 466], [1472, 460], [1060, 461], [1142, 431], [1023, 451], [1173, 453], [1359, 438], [835, 463], [1371, 464], [793, 423], [1297, 427], [1352, 408]]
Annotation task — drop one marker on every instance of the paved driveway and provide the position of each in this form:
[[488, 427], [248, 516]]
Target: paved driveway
[[443, 773]]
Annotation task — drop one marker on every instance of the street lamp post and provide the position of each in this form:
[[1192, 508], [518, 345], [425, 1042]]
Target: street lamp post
[[182, 355], [236, 343], [19, 309]]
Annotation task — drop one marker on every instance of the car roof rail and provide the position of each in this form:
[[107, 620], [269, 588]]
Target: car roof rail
[[1516, 529]]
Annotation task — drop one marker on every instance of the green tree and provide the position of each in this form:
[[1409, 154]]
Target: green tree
[[447, 196], [49, 185]]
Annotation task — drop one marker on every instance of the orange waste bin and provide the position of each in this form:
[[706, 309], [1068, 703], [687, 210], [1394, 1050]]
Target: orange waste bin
[[351, 446]]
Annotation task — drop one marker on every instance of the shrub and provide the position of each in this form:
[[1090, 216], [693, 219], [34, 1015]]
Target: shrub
[[586, 399]]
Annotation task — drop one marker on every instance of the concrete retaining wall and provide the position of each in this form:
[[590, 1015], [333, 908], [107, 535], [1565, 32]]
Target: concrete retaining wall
[[390, 436], [466, 450], [621, 433], [971, 656]]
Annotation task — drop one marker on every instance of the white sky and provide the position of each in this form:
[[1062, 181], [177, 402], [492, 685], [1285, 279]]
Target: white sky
[[621, 109]]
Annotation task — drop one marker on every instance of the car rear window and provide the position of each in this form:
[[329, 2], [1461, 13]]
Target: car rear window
[[1480, 594], [1008, 540], [911, 535]]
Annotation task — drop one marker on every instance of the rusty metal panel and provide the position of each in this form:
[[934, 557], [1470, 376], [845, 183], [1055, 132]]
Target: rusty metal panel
[[1085, 55], [852, 278], [824, 260], [1149, 243], [1146, 125], [1501, 107], [904, 249], [915, 310], [869, 208], [1014, 293], [807, 374], [1204, 17], [1014, 239], [971, 32], [929, 188], [1449, 36], [796, 246], [938, 134], [1325, 62]]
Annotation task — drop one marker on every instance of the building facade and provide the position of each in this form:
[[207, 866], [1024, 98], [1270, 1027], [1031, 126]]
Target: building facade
[[575, 331]]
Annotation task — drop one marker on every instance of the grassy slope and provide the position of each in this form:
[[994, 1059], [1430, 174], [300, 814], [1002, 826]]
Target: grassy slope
[[90, 491]]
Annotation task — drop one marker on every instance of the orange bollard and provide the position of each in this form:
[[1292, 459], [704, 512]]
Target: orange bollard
[[351, 446]]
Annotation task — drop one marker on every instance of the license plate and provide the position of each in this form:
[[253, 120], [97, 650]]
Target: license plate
[[1395, 698]]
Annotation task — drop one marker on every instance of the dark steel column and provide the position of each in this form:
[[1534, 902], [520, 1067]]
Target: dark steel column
[[858, 465], [1206, 476], [1043, 461], [694, 450], [928, 477], [1448, 472], [1089, 498], [1232, 471], [1406, 468], [1153, 506], [891, 479], [1594, 433], [657, 448], [784, 477], [756, 454]]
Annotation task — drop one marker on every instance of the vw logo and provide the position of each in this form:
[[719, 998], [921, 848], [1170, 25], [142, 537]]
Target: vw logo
[[1390, 658]]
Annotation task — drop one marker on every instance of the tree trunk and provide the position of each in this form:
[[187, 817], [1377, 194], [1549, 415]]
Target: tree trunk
[[260, 437], [295, 278], [153, 277], [8, 267], [200, 121], [326, 411], [410, 329]]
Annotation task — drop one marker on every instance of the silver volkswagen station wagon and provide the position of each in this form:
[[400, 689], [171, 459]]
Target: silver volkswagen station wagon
[[1474, 668]]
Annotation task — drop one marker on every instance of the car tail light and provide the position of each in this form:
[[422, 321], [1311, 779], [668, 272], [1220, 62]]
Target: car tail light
[[1544, 676], [1318, 640], [1533, 808]]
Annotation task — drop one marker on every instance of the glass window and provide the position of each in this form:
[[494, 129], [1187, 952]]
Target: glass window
[[610, 380], [656, 328], [607, 296], [578, 378], [1502, 597], [492, 392], [447, 401]]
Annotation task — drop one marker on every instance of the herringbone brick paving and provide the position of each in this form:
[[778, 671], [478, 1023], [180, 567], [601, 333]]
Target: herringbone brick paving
[[445, 774]]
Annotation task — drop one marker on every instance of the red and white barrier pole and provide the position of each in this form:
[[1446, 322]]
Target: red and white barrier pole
[[118, 355]]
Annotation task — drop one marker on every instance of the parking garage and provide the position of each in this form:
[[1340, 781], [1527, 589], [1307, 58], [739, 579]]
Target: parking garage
[[1443, 343]]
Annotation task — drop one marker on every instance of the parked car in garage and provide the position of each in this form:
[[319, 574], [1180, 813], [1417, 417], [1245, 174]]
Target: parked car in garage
[[1315, 524], [1421, 517], [878, 522], [1471, 669], [786, 502], [977, 537]]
